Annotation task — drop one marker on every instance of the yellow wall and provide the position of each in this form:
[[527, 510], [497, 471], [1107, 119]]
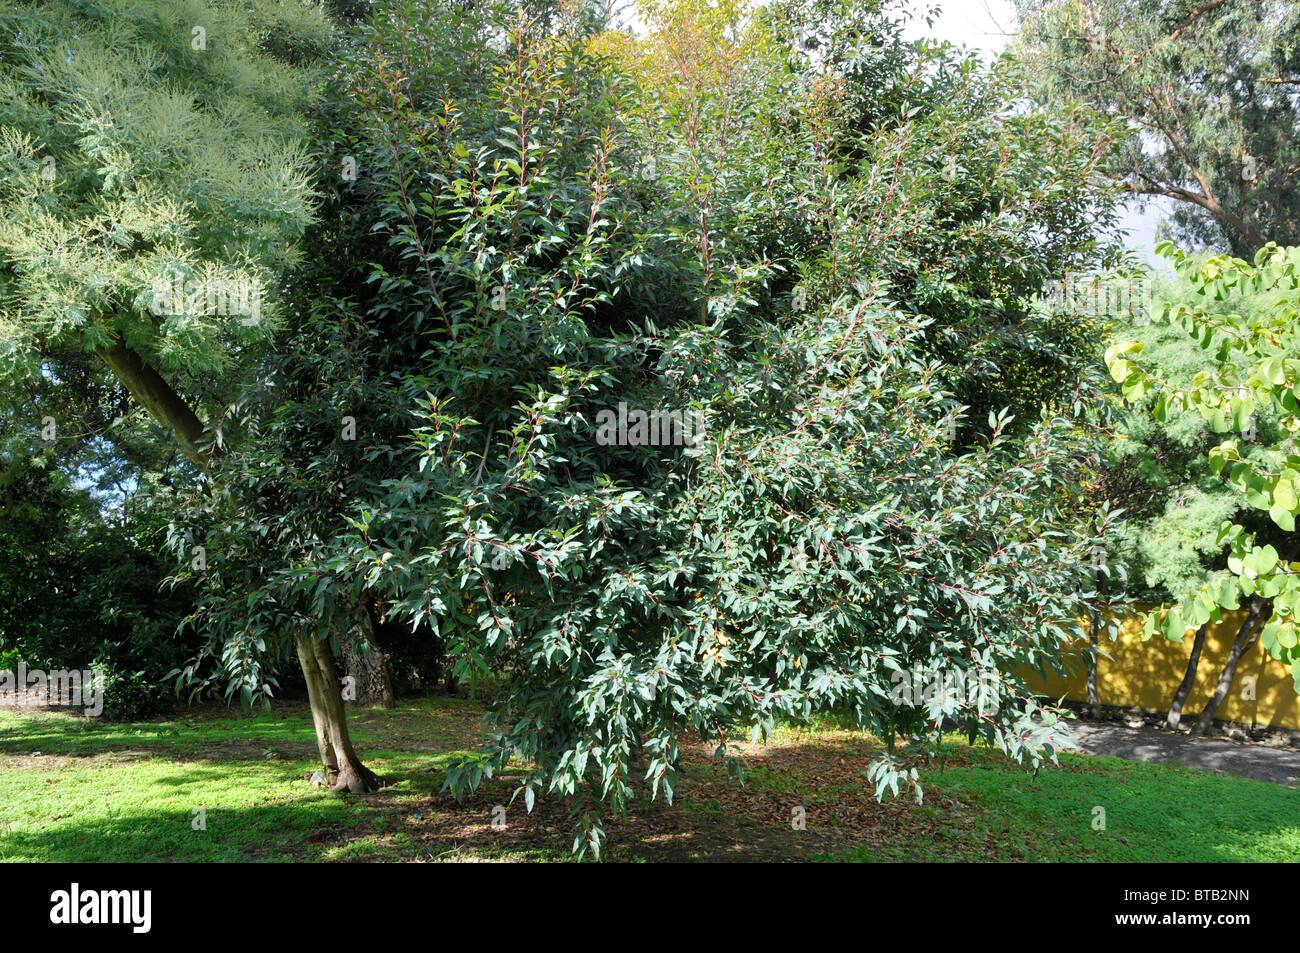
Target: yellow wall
[[1146, 674]]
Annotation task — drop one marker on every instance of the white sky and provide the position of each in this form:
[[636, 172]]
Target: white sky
[[981, 24]]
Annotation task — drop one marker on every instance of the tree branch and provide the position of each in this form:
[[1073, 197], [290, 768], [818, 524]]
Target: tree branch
[[158, 397], [1236, 222], [1195, 15]]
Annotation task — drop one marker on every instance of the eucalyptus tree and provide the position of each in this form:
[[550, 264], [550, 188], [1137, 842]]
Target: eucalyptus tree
[[553, 237]]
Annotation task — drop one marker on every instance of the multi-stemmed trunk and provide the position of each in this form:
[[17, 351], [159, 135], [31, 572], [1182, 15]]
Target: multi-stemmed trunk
[[1246, 635], [1251, 627], [344, 770]]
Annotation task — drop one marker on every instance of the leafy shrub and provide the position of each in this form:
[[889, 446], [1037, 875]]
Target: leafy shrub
[[130, 695]]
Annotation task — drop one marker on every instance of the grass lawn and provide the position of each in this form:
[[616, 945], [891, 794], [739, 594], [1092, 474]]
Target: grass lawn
[[76, 789]]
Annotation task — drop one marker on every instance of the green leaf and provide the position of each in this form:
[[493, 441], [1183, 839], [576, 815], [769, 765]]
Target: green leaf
[[1174, 627], [1284, 495], [1284, 518], [1227, 593]]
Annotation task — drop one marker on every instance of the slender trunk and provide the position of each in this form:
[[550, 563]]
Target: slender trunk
[[1189, 679], [158, 397], [319, 714], [1094, 647], [344, 769], [369, 669], [1094, 701], [1250, 628]]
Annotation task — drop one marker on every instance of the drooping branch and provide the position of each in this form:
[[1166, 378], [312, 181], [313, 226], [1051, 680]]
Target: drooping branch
[[1236, 222]]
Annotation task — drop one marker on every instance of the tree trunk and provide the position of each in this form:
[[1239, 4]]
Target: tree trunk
[[1250, 627], [1189, 679], [153, 393], [369, 669], [1094, 646], [1094, 701], [343, 769]]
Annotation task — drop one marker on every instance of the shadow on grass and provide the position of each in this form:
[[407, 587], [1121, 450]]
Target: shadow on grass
[[285, 832], [212, 734], [255, 808]]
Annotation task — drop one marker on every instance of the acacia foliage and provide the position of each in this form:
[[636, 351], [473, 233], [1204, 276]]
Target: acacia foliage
[[537, 233], [1159, 470], [146, 145], [1246, 320]]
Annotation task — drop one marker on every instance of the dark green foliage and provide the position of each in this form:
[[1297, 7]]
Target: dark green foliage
[[540, 231], [417, 658], [130, 695], [80, 586]]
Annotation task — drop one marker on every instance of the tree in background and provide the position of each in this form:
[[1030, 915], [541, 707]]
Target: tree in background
[[966, 189], [1209, 93], [153, 182], [79, 575], [1247, 324], [85, 492]]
